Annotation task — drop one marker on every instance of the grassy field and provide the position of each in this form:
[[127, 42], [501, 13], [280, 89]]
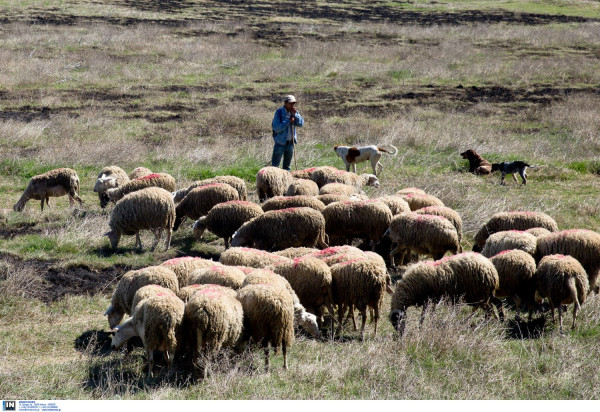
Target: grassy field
[[190, 87]]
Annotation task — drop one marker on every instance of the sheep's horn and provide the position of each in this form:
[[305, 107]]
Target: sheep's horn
[[108, 311]]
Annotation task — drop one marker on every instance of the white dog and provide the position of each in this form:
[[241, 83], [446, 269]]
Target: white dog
[[354, 155]]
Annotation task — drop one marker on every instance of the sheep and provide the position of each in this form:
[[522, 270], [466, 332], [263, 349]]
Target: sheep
[[583, 245], [329, 199], [157, 321], [225, 218], [243, 256], [151, 208], [233, 181], [280, 229], [54, 183], [324, 175], [186, 293], [408, 190], [184, 266], [268, 318], [149, 291], [395, 203], [303, 174], [516, 274], [222, 275], [469, 275], [333, 251], [139, 172], [303, 187], [449, 214], [109, 178], [272, 181], [122, 298], [418, 201], [422, 234], [302, 318], [507, 240], [359, 283], [213, 319], [295, 252], [340, 189], [562, 280], [365, 219], [512, 221], [286, 202], [162, 180], [538, 231], [199, 201]]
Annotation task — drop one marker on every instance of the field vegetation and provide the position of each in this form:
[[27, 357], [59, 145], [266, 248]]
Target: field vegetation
[[189, 87]]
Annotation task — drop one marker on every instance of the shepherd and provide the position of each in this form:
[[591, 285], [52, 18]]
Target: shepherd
[[285, 121]]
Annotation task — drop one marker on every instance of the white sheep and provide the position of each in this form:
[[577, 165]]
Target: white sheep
[[272, 181], [162, 180]]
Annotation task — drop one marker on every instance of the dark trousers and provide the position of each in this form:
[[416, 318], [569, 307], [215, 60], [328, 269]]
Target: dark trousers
[[287, 151]]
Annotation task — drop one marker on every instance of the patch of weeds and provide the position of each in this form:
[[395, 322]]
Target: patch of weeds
[[585, 166]]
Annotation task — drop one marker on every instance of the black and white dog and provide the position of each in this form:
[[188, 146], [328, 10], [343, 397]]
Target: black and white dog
[[510, 168]]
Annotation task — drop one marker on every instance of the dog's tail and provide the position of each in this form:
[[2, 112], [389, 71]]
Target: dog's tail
[[384, 149], [531, 167]]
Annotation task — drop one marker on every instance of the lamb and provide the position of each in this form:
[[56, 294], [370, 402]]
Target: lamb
[[583, 245], [418, 201], [562, 280], [122, 298], [512, 221], [184, 266], [449, 214], [157, 321], [423, 234], [302, 187], [233, 181], [468, 275], [340, 189], [280, 229], [324, 175], [272, 181], [295, 252], [395, 203], [162, 180], [516, 274], [507, 240], [225, 218], [365, 219], [151, 208], [243, 256], [139, 172], [228, 276], [268, 318], [213, 319], [54, 183], [286, 202], [199, 201], [109, 178]]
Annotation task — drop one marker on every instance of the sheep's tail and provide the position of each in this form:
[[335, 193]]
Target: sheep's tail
[[323, 239], [572, 288], [385, 149]]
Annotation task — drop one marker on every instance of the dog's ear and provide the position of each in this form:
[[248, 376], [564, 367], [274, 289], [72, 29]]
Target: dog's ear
[[335, 147]]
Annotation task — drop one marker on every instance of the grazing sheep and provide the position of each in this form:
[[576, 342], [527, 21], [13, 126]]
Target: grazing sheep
[[512, 221], [303, 174], [286, 202], [507, 240], [109, 178], [538, 231], [366, 219], [225, 218], [329, 199], [583, 245], [151, 208], [562, 280], [149, 291], [233, 181], [184, 266], [324, 175], [139, 172], [186, 293], [468, 275], [295, 252], [243, 256], [213, 319], [280, 229], [395, 203], [272, 181], [419, 201], [199, 201], [157, 321], [449, 214], [339, 189], [422, 234], [162, 180], [516, 274], [409, 190], [54, 183], [122, 298], [334, 251], [302, 187], [268, 318], [228, 276]]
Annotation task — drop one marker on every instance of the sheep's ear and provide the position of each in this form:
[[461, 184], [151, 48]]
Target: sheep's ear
[[114, 330], [109, 310]]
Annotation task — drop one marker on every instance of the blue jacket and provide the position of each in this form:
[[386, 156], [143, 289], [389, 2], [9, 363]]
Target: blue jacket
[[281, 122]]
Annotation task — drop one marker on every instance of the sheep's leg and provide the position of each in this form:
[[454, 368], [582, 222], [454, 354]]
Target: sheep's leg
[[552, 309], [138, 241], [157, 236], [284, 350], [576, 308], [267, 358], [43, 204], [498, 303], [341, 313], [168, 242], [363, 313], [150, 355], [423, 312], [376, 319], [226, 242], [170, 358], [560, 312], [351, 314]]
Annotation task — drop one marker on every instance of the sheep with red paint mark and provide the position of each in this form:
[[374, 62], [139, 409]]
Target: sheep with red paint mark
[[250, 257], [302, 187], [509, 239], [396, 204], [162, 180], [420, 200], [272, 181], [327, 174], [238, 184], [286, 202], [184, 266], [340, 189], [450, 214], [295, 252], [228, 276], [332, 198], [199, 201]]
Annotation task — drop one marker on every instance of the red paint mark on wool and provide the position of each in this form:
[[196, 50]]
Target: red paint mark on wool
[[244, 269], [503, 252], [218, 269], [524, 213], [288, 210], [448, 258], [179, 260], [329, 251], [212, 185], [148, 177], [211, 291], [425, 217], [431, 209]]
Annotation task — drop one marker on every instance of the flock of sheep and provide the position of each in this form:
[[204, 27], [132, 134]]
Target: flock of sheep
[[289, 260]]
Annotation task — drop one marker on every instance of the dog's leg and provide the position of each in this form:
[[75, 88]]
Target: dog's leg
[[354, 168], [347, 166], [523, 174], [515, 177], [502, 179], [374, 162], [379, 168]]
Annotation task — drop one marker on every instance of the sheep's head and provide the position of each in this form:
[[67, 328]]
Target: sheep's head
[[309, 323], [179, 217], [122, 334], [114, 236], [179, 195], [240, 237], [371, 180], [115, 316], [398, 319], [19, 206], [104, 183], [199, 228]]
